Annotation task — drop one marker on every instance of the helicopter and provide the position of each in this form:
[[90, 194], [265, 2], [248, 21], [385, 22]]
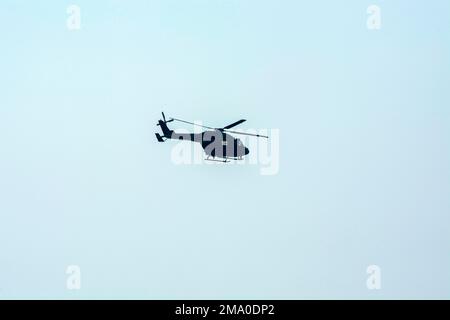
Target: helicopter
[[216, 142]]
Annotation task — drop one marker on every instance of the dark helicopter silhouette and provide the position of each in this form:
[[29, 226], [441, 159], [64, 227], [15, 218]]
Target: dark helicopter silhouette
[[216, 142]]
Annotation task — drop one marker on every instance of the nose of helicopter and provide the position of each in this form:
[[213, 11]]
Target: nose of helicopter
[[247, 151]]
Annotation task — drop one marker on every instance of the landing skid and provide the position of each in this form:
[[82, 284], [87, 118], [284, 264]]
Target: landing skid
[[227, 159], [216, 160]]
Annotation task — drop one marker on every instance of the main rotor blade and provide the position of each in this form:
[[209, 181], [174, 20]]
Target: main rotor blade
[[164, 117], [195, 124], [247, 134], [234, 124]]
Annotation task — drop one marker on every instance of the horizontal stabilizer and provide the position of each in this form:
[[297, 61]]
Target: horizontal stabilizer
[[160, 139]]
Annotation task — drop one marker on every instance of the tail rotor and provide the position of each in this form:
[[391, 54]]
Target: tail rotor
[[167, 133], [164, 119]]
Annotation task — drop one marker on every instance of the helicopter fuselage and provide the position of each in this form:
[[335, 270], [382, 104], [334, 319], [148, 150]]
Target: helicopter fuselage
[[215, 143]]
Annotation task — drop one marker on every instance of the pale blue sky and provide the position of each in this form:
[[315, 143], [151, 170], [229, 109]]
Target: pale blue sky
[[364, 149]]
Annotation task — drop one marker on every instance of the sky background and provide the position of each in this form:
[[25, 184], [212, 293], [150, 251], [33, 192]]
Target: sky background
[[364, 162]]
